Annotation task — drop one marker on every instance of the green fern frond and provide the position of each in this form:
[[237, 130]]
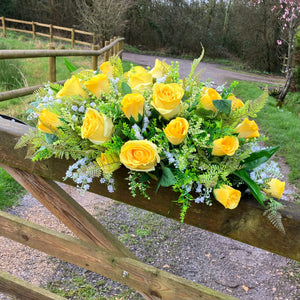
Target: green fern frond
[[91, 170], [274, 216], [250, 109]]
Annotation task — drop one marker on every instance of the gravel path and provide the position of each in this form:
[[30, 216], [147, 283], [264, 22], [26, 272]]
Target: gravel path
[[214, 261]]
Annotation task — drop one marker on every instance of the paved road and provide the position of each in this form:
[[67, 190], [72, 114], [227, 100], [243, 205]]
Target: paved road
[[210, 71]]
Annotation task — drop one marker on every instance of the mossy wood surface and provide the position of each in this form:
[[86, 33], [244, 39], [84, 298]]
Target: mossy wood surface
[[246, 223], [23, 290]]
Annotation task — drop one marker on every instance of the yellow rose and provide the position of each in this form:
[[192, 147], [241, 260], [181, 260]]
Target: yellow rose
[[133, 106], [160, 69], [140, 81], [139, 155], [167, 99], [247, 129], [48, 121], [72, 87], [228, 196], [235, 102], [276, 188], [134, 70], [176, 130], [107, 69], [96, 127], [208, 97], [108, 162], [98, 84], [225, 146]]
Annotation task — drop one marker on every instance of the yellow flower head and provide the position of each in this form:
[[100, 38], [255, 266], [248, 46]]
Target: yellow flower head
[[108, 162], [235, 102], [98, 84], [247, 129], [176, 130], [48, 121], [167, 99], [225, 146], [133, 106], [160, 69], [139, 155], [96, 127], [275, 189], [72, 87], [228, 196], [107, 69], [208, 97]]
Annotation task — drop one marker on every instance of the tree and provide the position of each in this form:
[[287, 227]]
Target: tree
[[288, 11], [104, 17]]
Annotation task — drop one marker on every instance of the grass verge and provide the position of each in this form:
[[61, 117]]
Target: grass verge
[[10, 190], [281, 126]]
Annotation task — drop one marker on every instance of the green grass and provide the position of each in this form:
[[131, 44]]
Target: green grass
[[10, 190], [281, 126]]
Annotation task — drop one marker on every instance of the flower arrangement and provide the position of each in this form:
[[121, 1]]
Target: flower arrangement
[[168, 131]]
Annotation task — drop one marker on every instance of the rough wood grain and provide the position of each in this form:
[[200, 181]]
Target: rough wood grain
[[246, 223], [66, 209], [152, 281], [23, 290]]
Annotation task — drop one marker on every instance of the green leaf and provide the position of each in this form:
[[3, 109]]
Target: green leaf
[[167, 178], [253, 187], [126, 89], [223, 106], [50, 138], [257, 158], [144, 177], [69, 66]]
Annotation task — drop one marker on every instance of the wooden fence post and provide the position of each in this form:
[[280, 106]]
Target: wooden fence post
[[94, 39], [106, 54], [33, 31], [111, 51], [52, 65], [72, 38], [95, 58], [51, 33], [3, 27], [115, 47]]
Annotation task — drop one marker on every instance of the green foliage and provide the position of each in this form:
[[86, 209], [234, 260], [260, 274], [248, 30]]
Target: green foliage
[[280, 125], [274, 215], [10, 190]]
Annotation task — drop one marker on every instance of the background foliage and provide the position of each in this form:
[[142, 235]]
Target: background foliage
[[227, 29]]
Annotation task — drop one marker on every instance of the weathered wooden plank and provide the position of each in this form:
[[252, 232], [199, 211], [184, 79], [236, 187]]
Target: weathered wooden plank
[[147, 279], [24, 290], [66, 209], [246, 223]]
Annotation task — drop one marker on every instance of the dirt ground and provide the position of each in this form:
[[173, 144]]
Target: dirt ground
[[217, 262]]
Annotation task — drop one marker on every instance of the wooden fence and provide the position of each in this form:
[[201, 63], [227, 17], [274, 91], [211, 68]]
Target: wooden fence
[[97, 250], [34, 31], [114, 47]]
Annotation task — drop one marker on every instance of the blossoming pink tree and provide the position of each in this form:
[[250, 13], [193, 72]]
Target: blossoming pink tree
[[288, 11]]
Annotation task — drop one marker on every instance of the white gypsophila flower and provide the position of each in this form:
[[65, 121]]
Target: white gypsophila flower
[[102, 180], [58, 100], [74, 107], [145, 124], [110, 188], [81, 109], [161, 79], [199, 187], [86, 187], [89, 179], [199, 199], [137, 132], [93, 104], [147, 111], [74, 118]]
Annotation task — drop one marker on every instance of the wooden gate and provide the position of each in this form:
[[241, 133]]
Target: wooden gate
[[97, 250]]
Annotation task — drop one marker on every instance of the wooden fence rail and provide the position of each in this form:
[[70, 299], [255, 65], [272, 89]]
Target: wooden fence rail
[[34, 32], [114, 47], [99, 251]]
